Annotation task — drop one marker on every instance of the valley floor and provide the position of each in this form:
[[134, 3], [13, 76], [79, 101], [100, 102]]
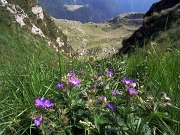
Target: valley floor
[[93, 39]]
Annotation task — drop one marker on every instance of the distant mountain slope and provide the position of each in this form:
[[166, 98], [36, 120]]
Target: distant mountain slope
[[93, 10], [160, 23], [90, 10], [133, 19]]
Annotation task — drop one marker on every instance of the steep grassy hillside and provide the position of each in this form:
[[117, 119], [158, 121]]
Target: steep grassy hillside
[[20, 47], [160, 24], [28, 28], [31, 17]]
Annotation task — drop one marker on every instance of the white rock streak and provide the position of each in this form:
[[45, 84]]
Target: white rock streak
[[18, 13], [4, 2], [38, 11], [58, 40], [36, 30]]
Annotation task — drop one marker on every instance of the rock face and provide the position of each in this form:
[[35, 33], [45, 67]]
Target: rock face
[[154, 21], [60, 43], [4, 2], [15, 10], [38, 11], [36, 30]]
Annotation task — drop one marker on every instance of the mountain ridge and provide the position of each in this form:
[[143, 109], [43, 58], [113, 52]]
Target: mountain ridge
[[91, 10], [97, 11]]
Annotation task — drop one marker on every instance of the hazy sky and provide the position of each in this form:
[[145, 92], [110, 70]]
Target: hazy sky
[[136, 5]]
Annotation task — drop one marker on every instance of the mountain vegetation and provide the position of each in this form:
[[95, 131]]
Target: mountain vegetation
[[46, 90]]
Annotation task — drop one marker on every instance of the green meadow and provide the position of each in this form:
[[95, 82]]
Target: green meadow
[[31, 71], [46, 92]]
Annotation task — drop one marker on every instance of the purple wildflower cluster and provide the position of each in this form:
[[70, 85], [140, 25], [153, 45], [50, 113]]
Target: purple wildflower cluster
[[130, 86], [72, 72], [60, 86], [115, 92], [46, 104], [39, 121], [111, 106], [102, 98], [42, 103], [109, 72], [72, 80]]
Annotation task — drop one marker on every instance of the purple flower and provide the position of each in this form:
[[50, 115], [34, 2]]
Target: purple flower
[[38, 122], [72, 72], [129, 82], [109, 72], [102, 98], [132, 91], [115, 92], [111, 106], [74, 81], [60, 86], [43, 103]]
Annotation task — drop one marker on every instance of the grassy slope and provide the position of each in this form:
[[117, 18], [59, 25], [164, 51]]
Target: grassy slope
[[24, 59], [28, 68], [19, 48]]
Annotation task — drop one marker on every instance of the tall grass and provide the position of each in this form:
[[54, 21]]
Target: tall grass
[[158, 69], [89, 108]]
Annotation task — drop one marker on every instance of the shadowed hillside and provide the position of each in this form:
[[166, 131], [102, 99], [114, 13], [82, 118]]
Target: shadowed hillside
[[161, 21]]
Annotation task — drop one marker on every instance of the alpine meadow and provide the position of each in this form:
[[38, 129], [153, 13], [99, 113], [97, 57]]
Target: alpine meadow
[[66, 77]]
